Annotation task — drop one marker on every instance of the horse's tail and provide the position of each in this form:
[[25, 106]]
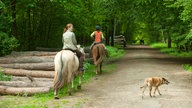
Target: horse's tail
[[101, 54], [60, 74]]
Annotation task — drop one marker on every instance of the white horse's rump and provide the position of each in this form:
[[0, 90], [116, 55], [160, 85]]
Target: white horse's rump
[[66, 66]]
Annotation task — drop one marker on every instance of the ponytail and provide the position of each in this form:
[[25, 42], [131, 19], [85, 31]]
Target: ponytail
[[67, 27]]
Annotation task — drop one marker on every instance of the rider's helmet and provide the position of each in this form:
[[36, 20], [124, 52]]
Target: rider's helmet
[[97, 27]]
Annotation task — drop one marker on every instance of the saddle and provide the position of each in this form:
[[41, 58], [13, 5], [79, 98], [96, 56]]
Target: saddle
[[71, 50]]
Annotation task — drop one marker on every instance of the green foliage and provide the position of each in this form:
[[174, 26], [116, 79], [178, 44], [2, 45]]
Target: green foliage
[[171, 51], [115, 52], [187, 67], [159, 45], [7, 44], [4, 77], [41, 23]]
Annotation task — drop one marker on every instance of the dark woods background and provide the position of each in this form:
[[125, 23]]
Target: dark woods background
[[27, 24]]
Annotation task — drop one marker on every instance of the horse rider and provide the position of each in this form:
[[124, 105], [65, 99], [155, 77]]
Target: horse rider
[[98, 38], [70, 43]]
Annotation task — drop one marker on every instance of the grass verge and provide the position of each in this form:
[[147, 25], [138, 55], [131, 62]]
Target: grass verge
[[174, 52], [187, 67]]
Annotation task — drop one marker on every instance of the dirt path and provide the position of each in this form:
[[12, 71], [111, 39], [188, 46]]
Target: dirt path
[[120, 89]]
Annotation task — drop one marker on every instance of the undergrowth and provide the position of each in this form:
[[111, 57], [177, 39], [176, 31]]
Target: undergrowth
[[174, 52], [115, 52], [171, 51], [187, 67], [4, 77]]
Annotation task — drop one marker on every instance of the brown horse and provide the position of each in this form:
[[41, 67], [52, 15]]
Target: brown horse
[[66, 67], [99, 53]]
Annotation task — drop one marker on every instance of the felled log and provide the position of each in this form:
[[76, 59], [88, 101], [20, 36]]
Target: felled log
[[26, 84], [25, 79], [29, 59], [47, 49], [49, 66], [17, 84], [120, 36], [5, 90], [87, 50], [33, 73], [33, 53]]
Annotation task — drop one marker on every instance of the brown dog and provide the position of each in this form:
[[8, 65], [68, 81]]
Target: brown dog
[[153, 82]]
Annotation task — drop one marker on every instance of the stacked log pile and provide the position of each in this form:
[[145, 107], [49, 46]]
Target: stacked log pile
[[32, 72], [120, 40]]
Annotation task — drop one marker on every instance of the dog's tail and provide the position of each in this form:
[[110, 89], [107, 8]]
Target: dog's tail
[[144, 85]]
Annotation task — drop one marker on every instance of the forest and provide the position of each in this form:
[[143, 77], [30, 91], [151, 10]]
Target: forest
[[28, 24]]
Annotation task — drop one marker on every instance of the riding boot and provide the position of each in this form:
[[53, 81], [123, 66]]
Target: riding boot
[[81, 67]]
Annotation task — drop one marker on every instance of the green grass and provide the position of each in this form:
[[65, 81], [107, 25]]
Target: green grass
[[171, 51], [159, 45], [174, 52], [187, 67], [47, 100], [4, 77], [115, 52]]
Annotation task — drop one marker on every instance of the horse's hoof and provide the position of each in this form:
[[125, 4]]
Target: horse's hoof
[[56, 97], [79, 87]]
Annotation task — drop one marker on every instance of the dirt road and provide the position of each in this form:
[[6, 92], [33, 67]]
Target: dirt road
[[121, 88]]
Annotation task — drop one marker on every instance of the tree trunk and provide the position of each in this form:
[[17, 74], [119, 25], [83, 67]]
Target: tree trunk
[[169, 40], [21, 72], [14, 24], [114, 31], [23, 91], [162, 33]]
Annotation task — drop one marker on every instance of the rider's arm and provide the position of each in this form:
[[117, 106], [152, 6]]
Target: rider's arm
[[102, 36], [92, 34], [74, 39]]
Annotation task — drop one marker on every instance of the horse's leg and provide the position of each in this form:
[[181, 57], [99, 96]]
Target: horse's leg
[[56, 94], [68, 84], [101, 68], [73, 89], [96, 69], [79, 85]]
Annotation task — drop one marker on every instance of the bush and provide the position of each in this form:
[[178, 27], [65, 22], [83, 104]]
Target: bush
[[7, 44], [187, 67], [159, 45], [115, 52], [4, 77]]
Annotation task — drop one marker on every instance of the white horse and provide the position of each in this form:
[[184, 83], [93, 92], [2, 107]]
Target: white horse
[[66, 67]]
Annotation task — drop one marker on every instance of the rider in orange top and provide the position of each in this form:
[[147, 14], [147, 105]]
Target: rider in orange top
[[98, 38]]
